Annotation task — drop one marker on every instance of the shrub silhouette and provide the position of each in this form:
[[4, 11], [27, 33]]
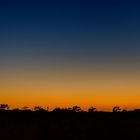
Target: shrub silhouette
[[124, 110], [57, 110], [25, 108], [92, 109], [4, 107], [116, 109], [76, 109], [136, 110], [38, 108]]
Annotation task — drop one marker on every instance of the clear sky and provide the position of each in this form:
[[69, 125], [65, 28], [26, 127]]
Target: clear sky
[[70, 52]]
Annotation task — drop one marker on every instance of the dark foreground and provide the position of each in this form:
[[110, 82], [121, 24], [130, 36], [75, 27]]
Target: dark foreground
[[69, 126]]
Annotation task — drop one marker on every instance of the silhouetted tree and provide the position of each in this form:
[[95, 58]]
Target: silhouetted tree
[[16, 109], [116, 109], [70, 109], [92, 109], [25, 108], [47, 109], [57, 109], [76, 109], [136, 110], [38, 108], [4, 107], [124, 110]]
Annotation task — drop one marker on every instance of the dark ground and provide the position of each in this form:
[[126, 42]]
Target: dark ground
[[69, 126]]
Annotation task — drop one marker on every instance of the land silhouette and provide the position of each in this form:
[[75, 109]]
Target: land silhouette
[[68, 123]]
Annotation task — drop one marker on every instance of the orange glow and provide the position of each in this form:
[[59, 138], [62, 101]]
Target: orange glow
[[65, 89]]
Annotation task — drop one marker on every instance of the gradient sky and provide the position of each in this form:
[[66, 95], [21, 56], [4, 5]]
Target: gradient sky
[[70, 52]]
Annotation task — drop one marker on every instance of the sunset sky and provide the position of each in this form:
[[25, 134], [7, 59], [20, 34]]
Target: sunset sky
[[70, 52]]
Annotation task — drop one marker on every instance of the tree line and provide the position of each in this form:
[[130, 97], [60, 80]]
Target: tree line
[[6, 107]]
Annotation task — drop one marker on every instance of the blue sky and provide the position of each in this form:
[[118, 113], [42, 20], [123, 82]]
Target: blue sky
[[69, 30]]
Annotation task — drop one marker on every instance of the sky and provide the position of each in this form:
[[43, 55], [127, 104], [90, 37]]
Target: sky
[[61, 53]]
